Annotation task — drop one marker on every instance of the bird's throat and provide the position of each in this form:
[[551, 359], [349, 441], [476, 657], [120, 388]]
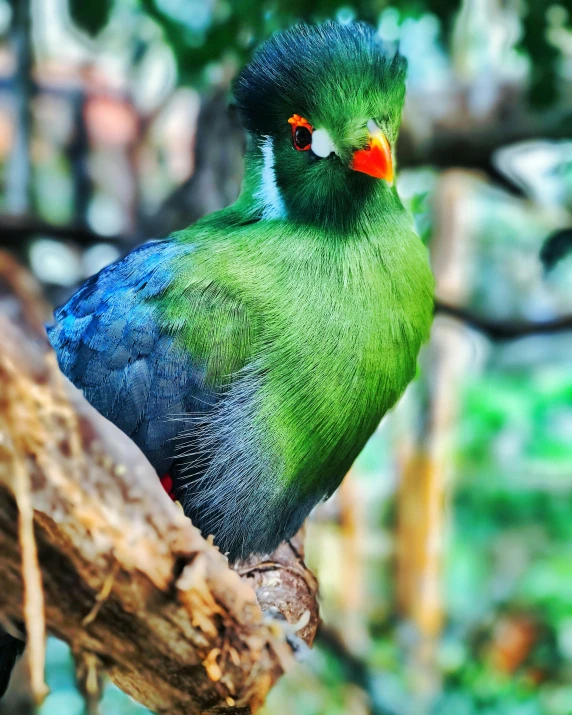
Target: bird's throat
[[345, 203]]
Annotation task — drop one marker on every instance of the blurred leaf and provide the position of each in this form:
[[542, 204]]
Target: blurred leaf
[[91, 16]]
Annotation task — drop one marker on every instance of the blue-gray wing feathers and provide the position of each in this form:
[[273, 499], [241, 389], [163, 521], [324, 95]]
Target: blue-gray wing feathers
[[110, 343]]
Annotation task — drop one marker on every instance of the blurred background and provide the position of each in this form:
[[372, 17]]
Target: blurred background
[[445, 560]]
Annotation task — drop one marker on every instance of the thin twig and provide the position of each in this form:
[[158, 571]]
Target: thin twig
[[33, 607], [15, 229], [499, 330], [102, 596]]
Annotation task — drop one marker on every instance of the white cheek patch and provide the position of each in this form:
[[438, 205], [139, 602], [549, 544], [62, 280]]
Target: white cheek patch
[[373, 129], [322, 145]]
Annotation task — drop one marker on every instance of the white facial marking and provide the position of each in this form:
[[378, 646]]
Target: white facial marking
[[268, 192], [373, 129], [322, 145]]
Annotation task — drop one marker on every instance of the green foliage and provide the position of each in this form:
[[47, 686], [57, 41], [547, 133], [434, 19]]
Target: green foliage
[[234, 29], [201, 33], [543, 55], [90, 16]]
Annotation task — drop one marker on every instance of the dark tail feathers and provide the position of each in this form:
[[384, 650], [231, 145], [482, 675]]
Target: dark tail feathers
[[10, 650]]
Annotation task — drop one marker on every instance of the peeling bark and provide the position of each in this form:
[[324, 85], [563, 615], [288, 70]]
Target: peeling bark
[[125, 578]]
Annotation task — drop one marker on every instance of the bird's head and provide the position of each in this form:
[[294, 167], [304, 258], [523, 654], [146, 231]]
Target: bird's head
[[322, 105]]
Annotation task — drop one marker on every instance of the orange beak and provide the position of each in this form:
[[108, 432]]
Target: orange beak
[[376, 159]]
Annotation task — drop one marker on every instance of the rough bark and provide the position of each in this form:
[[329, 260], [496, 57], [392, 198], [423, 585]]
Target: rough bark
[[88, 538]]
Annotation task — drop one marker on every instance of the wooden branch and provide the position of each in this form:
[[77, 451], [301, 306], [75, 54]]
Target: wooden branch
[[17, 229], [125, 578]]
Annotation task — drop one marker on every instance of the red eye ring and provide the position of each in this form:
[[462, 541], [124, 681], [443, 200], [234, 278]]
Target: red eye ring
[[301, 132]]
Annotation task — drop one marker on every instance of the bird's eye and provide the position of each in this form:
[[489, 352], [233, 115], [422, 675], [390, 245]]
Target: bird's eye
[[302, 138], [301, 132]]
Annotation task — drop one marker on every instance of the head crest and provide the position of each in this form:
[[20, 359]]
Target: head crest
[[301, 69]]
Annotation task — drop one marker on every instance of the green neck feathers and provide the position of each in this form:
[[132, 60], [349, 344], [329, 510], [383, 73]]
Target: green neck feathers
[[354, 209]]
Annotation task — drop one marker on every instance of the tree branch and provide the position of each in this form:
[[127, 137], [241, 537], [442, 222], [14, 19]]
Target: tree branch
[[17, 229], [499, 330], [466, 142], [126, 579]]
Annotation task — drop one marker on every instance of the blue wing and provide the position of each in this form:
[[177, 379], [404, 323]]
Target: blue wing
[[110, 344]]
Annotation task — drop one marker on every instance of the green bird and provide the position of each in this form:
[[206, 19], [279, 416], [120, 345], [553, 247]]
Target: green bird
[[252, 355]]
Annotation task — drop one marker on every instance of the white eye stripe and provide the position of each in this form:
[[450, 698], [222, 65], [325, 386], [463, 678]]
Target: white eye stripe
[[322, 145], [268, 192]]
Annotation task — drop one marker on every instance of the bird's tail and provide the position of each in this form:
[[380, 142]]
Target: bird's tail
[[10, 650]]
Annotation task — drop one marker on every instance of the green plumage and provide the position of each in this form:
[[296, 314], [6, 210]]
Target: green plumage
[[304, 305]]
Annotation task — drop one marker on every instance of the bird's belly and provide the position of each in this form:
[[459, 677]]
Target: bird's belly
[[340, 388], [294, 420]]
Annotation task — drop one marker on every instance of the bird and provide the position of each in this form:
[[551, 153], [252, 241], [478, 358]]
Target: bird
[[252, 355]]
